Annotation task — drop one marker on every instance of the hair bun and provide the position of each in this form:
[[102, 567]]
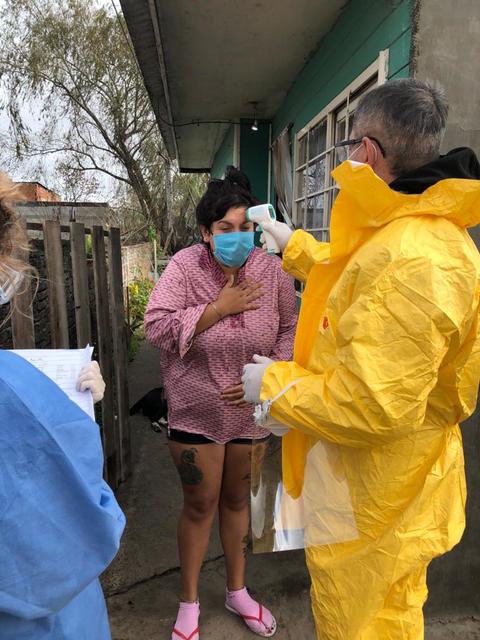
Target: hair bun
[[236, 177]]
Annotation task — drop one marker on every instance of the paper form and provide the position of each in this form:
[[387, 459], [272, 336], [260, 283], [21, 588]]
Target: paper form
[[63, 366]]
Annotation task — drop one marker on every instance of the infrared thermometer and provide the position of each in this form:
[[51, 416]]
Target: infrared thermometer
[[260, 214]]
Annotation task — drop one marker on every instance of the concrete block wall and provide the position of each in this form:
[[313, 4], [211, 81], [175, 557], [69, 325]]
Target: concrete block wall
[[446, 51]]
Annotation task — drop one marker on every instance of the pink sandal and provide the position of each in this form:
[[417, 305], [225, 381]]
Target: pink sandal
[[187, 619], [257, 618]]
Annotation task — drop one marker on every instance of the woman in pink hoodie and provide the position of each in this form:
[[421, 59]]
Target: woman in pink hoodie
[[218, 304]]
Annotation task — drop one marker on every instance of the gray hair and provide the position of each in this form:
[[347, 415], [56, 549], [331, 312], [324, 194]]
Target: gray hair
[[408, 117]]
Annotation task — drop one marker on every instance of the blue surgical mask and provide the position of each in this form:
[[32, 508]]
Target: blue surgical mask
[[233, 249]]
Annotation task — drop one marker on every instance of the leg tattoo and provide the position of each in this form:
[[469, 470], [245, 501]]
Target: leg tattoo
[[189, 473], [245, 545]]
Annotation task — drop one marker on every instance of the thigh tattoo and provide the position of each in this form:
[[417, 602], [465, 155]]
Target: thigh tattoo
[[190, 474]]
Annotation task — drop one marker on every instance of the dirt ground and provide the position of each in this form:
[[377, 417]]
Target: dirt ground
[[143, 582], [147, 611]]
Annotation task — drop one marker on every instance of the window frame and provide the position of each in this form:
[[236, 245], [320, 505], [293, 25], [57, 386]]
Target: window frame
[[374, 74]]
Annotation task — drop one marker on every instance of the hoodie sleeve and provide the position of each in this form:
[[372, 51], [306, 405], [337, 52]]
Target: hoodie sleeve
[[60, 523]]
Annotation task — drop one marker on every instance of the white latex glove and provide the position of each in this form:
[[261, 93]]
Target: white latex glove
[[252, 378], [280, 231], [91, 378]]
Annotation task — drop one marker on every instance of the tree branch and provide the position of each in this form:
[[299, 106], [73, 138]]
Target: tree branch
[[103, 170]]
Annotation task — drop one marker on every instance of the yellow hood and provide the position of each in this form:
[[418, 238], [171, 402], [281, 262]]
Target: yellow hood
[[366, 203]]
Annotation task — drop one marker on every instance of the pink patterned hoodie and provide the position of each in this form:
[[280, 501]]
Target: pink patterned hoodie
[[196, 369]]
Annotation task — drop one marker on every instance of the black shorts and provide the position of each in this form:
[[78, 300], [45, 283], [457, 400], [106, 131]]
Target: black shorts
[[196, 438]]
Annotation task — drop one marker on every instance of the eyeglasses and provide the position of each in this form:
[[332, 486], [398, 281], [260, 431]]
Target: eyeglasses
[[341, 148]]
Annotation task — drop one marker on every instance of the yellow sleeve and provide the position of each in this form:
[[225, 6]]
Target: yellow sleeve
[[302, 253], [390, 343]]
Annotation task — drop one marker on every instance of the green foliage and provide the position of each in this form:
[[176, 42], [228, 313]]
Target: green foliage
[[138, 295], [134, 343], [151, 234], [72, 59], [88, 246]]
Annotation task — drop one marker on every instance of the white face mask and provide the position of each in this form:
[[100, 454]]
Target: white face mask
[[342, 153], [9, 284], [350, 155], [354, 163]]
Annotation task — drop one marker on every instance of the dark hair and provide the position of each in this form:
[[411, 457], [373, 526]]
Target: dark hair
[[408, 117], [221, 195]]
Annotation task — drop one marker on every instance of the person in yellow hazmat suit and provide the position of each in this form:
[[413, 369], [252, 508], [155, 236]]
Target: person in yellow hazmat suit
[[386, 365]]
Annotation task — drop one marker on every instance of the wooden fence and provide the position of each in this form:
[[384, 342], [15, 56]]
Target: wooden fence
[[137, 262], [110, 338]]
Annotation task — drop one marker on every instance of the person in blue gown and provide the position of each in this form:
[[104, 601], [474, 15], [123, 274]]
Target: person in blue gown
[[60, 525]]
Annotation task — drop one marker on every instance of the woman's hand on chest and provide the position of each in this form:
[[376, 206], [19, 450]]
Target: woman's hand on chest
[[234, 299]]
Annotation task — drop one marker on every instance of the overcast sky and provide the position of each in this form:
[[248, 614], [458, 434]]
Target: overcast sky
[[42, 169]]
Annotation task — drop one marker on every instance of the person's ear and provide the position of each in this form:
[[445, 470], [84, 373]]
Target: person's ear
[[206, 234], [371, 152]]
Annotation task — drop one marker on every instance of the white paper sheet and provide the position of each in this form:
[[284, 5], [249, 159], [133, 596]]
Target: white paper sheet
[[63, 367]]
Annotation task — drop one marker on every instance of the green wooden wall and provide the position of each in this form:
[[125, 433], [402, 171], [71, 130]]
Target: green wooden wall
[[254, 156], [364, 28]]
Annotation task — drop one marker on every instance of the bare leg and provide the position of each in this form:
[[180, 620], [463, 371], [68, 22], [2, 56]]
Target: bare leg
[[200, 468], [234, 512]]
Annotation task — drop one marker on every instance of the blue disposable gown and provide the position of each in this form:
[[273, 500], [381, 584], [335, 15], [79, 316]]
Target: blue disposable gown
[[60, 524]]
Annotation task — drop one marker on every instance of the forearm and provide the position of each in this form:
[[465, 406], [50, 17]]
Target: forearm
[[302, 252], [210, 317], [172, 330], [335, 406]]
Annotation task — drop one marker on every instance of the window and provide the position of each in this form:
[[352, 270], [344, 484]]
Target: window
[[314, 188]]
